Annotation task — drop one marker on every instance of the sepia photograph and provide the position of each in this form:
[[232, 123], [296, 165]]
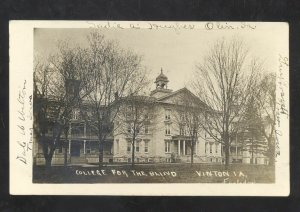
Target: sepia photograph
[[153, 103]]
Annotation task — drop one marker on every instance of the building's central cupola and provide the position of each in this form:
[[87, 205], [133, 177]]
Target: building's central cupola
[[161, 83]]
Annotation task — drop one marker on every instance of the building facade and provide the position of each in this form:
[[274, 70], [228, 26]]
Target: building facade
[[159, 140], [163, 140]]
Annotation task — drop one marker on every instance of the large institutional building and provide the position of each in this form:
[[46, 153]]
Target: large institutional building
[[160, 141]]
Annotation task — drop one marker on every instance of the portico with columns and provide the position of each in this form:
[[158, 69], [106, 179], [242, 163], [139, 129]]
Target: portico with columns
[[182, 149]]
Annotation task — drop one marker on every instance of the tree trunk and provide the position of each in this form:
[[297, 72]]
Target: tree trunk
[[271, 160], [48, 162], [133, 151], [65, 145], [271, 152], [65, 154], [226, 149], [252, 148], [227, 156], [100, 153], [252, 153], [192, 153]]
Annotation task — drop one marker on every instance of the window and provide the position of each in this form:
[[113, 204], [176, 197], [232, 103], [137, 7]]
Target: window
[[128, 116], [182, 131], [128, 146], [168, 114], [167, 131], [117, 146], [210, 148], [205, 147], [59, 149], [146, 130], [76, 114], [88, 147], [137, 146], [167, 146], [111, 149], [266, 161], [77, 129], [182, 116], [146, 147]]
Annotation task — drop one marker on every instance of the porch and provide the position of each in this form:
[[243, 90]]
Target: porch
[[79, 152]]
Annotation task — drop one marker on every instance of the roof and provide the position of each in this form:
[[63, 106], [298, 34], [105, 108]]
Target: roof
[[137, 98], [186, 91]]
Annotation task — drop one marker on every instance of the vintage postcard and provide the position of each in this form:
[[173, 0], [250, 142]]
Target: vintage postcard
[[149, 108]]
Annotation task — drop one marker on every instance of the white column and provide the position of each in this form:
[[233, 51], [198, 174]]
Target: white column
[[178, 147], [183, 147], [84, 141], [196, 147], [70, 129], [69, 146]]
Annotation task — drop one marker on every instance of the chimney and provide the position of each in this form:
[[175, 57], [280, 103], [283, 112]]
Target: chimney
[[72, 88], [116, 95]]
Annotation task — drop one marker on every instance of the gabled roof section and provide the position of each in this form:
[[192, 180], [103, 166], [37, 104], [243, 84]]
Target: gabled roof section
[[178, 93]]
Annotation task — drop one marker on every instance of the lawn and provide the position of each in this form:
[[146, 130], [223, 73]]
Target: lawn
[[156, 173]]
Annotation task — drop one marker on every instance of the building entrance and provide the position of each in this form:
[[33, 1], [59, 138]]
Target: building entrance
[[75, 149]]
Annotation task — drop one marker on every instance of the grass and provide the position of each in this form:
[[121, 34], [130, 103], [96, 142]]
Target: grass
[[156, 173]]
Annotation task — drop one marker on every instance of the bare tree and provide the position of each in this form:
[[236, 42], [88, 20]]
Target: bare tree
[[189, 118], [41, 85], [135, 116], [54, 101], [113, 73], [224, 81]]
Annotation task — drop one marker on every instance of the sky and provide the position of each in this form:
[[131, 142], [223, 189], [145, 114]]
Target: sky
[[176, 52]]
